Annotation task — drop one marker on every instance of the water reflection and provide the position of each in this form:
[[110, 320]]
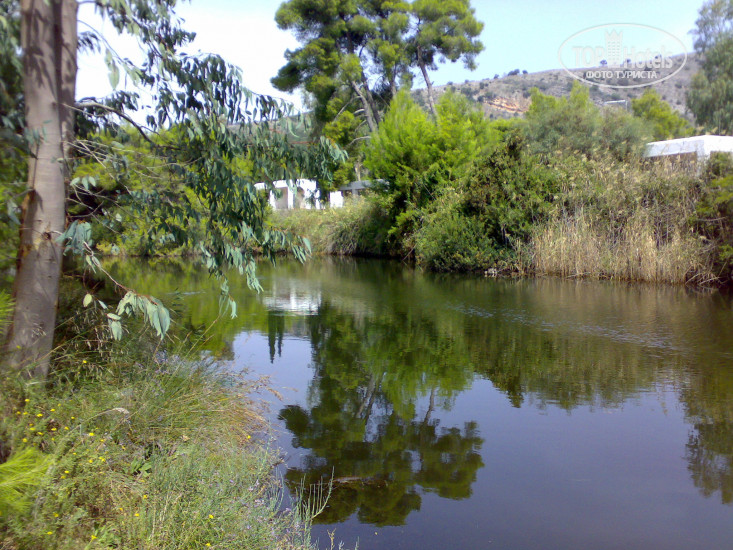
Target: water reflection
[[392, 349]]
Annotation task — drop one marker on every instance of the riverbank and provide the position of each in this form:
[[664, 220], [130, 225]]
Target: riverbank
[[137, 447], [569, 217]]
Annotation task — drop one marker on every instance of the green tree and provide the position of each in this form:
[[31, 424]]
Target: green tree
[[335, 37], [444, 29], [665, 123], [576, 124], [715, 21], [710, 97], [415, 156], [217, 121]]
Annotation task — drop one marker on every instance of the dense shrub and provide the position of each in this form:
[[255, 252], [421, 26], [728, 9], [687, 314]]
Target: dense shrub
[[451, 240], [490, 214], [359, 228], [665, 123], [416, 156], [574, 124], [714, 212], [510, 192]]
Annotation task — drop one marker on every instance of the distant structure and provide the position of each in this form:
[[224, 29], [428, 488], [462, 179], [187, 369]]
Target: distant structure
[[306, 195], [622, 103], [697, 148], [353, 189]]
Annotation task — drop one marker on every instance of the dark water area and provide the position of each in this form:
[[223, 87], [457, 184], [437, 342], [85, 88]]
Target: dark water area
[[461, 412]]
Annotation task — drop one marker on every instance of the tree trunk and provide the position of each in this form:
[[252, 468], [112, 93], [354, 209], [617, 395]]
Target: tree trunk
[[49, 43], [371, 121], [370, 98], [424, 70]]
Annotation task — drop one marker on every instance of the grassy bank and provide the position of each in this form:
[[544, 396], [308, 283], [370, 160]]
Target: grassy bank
[[564, 191], [570, 216], [144, 450]]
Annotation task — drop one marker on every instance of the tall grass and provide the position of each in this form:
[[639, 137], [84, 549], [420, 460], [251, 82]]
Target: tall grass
[[145, 452], [578, 246], [625, 221], [360, 227]]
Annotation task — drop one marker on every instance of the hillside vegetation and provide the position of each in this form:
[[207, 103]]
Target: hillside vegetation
[[509, 95]]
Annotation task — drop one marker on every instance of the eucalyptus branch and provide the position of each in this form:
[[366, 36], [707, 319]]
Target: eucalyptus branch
[[79, 106]]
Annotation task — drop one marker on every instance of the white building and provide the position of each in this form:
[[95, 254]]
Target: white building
[[306, 195], [698, 147]]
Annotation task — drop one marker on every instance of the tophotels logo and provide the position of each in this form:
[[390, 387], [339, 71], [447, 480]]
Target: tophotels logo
[[622, 55]]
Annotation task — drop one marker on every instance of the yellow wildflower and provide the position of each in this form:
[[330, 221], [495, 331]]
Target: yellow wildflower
[[211, 516], [137, 515], [25, 440], [39, 415], [91, 434], [53, 410]]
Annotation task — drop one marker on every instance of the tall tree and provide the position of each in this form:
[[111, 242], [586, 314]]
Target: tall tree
[[217, 122], [443, 29], [715, 21], [335, 35], [49, 43], [710, 97], [387, 45]]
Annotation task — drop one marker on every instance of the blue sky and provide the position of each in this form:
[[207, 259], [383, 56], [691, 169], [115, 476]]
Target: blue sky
[[518, 34]]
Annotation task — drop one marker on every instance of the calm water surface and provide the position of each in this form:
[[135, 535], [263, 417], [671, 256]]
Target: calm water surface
[[460, 412]]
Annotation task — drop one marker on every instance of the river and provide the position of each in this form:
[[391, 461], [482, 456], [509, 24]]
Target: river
[[463, 412]]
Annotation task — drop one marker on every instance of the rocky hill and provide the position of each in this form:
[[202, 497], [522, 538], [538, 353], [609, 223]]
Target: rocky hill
[[509, 95]]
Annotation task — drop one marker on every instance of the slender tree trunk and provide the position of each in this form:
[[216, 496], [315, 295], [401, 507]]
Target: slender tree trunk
[[371, 121], [424, 70], [370, 98], [49, 42]]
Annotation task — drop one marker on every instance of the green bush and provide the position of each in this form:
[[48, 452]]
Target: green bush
[[574, 124], [450, 240], [714, 212], [665, 123], [510, 192]]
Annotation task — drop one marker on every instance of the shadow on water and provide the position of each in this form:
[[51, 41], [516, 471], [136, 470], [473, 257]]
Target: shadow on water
[[395, 353]]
